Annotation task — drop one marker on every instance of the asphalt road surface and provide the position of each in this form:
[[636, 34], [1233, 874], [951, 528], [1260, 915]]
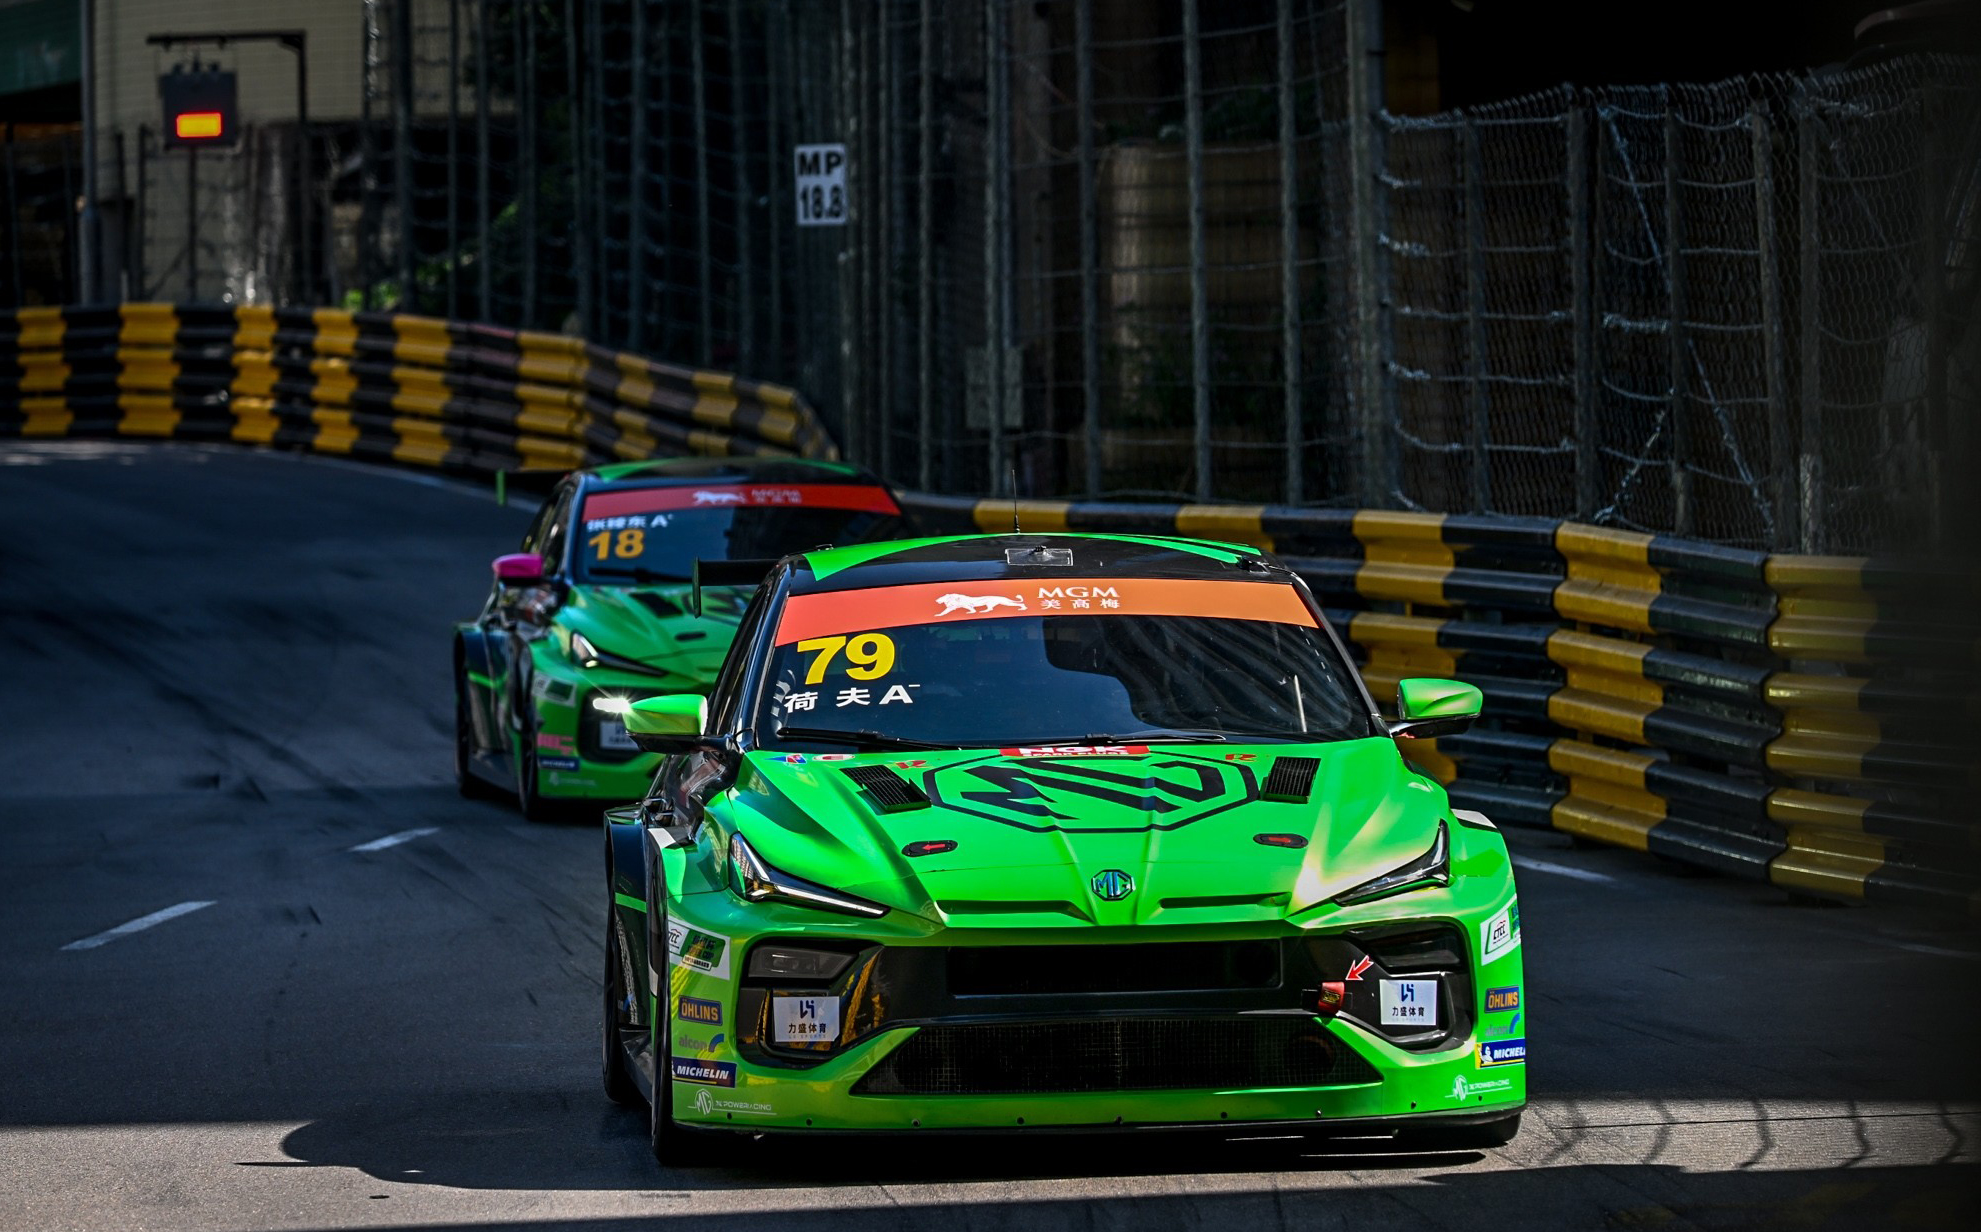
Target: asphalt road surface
[[223, 692]]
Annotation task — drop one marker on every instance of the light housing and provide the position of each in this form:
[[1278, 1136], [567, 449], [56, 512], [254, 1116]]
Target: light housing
[[587, 654], [775, 961], [1433, 868], [757, 882]]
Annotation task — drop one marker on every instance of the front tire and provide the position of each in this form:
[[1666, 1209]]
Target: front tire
[[674, 1145], [471, 785], [534, 806]]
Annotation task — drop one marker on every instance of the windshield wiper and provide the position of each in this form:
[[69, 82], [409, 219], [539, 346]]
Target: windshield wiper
[[833, 735], [636, 573], [1199, 735]]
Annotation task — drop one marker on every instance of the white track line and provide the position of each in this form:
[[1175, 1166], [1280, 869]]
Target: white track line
[[137, 926], [393, 840], [1560, 870]]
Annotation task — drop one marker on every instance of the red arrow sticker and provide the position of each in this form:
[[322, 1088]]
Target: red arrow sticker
[[1361, 964]]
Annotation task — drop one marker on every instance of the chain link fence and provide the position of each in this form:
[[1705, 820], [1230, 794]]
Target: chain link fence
[[1123, 248], [1726, 311]]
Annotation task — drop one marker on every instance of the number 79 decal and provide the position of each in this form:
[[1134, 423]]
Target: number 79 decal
[[869, 656]]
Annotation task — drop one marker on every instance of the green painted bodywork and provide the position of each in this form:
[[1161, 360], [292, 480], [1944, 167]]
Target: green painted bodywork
[[684, 650], [1022, 874], [1427, 697], [673, 714]]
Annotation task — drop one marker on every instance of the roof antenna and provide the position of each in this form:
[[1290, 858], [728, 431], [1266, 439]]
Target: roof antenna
[[1014, 501]]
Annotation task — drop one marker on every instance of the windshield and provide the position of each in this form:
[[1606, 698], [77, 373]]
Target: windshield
[[1028, 665], [657, 534]]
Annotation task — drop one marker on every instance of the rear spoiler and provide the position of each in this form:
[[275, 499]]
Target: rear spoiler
[[726, 573]]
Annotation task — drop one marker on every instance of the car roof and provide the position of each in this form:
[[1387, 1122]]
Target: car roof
[[979, 558], [663, 472]]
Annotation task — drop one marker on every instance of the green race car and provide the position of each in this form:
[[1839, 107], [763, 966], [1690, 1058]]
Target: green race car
[[1027, 831], [596, 612]]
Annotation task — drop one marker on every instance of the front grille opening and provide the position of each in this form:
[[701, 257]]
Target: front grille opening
[[1166, 966], [1153, 1054]]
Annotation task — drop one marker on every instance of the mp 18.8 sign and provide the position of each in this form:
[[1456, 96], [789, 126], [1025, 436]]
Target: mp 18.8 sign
[[821, 182]]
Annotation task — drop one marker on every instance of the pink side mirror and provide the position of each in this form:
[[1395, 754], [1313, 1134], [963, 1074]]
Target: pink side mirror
[[519, 569]]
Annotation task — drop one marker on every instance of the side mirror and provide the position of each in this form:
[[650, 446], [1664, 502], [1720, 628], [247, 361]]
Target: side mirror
[[1428, 707], [518, 569], [672, 723]]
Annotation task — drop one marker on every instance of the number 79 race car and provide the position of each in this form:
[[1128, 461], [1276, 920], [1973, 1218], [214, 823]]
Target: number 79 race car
[[1025, 832]]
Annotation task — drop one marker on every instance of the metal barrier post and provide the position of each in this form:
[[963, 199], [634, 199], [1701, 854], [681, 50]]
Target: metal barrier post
[[746, 297], [598, 174], [1582, 282], [1781, 430], [1477, 407], [1678, 353], [997, 122], [636, 194], [192, 224], [580, 244], [1365, 83], [1291, 366], [454, 158], [925, 246], [850, 411], [1200, 312], [402, 146], [526, 162], [484, 258], [1809, 471], [779, 145], [704, 269]]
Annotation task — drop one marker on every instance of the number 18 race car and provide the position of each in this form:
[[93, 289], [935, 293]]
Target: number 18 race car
[[594, 612], [1033, 831]]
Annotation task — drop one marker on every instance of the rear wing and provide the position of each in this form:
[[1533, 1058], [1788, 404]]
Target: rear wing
[[726, 573]]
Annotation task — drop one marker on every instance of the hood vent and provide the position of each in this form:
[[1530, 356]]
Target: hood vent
[[1292, 780], [659, 606], [889, 791]]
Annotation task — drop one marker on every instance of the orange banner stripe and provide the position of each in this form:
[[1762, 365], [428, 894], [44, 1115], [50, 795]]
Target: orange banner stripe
[[932, 603]]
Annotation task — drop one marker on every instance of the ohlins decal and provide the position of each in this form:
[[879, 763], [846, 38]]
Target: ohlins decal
[[1160, 793]]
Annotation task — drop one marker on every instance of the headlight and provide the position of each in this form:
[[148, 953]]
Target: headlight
[[587, 654], [1431, 868], [612, 705], [759, 882]]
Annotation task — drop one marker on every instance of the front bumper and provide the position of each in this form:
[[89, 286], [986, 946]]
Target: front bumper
[[927, 1042], [578, 756]]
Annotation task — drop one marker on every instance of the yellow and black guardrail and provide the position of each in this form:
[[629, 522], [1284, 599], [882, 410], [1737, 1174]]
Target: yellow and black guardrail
[[1792, 718], [382, 386]]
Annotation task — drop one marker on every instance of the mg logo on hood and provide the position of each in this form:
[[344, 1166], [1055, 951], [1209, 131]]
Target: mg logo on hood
[[1112, 885]]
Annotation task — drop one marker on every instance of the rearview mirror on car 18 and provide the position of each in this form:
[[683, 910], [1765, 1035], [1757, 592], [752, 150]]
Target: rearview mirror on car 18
[[519, 569]]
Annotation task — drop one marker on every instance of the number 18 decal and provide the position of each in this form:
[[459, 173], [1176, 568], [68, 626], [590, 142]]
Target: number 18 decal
[[622, 545]]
